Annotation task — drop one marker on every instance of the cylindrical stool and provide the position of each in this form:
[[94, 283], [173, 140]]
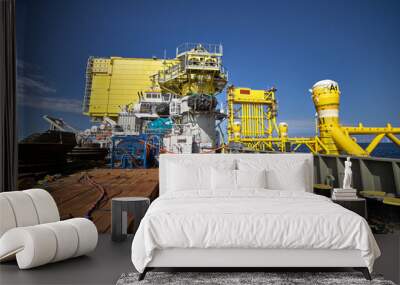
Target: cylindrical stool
[[120, 207]]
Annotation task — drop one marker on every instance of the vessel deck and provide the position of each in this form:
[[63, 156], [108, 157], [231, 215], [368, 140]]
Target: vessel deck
[[76, 194]]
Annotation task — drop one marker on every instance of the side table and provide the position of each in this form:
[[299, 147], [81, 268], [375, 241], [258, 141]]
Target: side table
[[120, 207], [358, 205]]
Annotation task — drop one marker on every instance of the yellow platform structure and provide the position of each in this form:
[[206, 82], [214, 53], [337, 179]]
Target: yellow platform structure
[[252, 123], [198, 70], [252, 117], [338, 138], [114, 82]]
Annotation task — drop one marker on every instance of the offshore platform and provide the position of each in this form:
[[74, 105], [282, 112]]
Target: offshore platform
[[152, 105]]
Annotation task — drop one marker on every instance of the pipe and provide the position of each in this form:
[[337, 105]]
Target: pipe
[[393, 138], [373, 144], [346, 143]]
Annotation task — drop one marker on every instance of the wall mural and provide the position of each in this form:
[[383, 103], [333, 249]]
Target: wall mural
[[99, 101]]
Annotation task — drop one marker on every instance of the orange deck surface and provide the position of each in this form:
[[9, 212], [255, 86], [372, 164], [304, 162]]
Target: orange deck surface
[[77, 193]]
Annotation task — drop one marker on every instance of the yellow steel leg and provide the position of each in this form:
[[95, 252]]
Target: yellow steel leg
[[370, 148], [251, 120], [393, 138], [256, 121], [346, 143], [246, 118], [253, 111], [262, 121], [243, 120]]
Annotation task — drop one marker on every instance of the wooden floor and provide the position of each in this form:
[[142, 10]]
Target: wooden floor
[[89, 193]]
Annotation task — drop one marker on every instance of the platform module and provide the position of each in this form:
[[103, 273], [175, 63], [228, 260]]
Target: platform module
[[252, 124], [114, 82], [198, 70], [173, 99]]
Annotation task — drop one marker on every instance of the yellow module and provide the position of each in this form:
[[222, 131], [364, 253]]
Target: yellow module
[[115, 82], [252, 122], [337, 138], [198, 70], [252, 117]]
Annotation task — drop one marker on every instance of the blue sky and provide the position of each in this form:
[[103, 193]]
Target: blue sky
[[286, 44]]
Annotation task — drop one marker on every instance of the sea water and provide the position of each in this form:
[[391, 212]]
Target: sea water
[[385, 150], [388, 150]]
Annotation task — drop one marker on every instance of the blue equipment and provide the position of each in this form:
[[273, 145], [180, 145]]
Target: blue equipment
[[140, 151], [159, 126]]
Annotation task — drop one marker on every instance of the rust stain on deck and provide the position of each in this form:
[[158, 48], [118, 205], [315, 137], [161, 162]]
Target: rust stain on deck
[[77, 194]]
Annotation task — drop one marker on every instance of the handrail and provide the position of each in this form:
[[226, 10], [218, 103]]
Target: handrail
[[208, 48]]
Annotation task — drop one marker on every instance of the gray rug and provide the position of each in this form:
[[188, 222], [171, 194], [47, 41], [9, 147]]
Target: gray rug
[[236, 278]]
